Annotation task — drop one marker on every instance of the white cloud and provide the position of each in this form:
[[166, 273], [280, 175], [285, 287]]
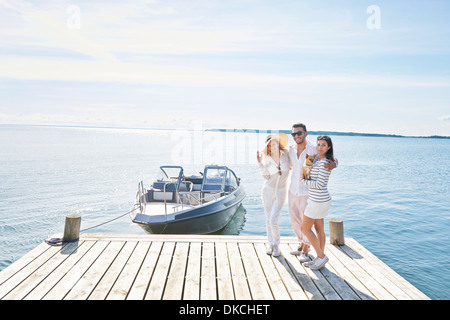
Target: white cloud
[[48, 28], [116, 71], [132, 28]]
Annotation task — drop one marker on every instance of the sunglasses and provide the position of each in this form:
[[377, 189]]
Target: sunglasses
[[298, 133], [279, 170]]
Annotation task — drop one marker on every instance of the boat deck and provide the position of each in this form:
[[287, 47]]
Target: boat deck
[[180, 267]]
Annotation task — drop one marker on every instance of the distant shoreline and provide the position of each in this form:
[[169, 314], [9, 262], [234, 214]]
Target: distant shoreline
[[332, 133], [329, 133]]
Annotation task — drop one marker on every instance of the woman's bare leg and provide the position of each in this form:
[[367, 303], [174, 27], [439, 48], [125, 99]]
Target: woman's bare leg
[[307, 230], [320, 231]]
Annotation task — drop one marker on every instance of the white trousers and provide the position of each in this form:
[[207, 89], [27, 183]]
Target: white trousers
[[297, 206], [273, 230]]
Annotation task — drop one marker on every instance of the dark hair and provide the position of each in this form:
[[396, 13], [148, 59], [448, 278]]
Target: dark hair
[[330, 154], [299, 125]]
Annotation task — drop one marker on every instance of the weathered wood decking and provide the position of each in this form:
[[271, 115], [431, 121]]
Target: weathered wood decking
[[196, 267]]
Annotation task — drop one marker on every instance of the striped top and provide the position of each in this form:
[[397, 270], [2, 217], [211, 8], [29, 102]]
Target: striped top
[[318, 191]]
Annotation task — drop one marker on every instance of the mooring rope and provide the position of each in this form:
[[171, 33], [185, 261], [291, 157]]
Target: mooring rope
[[60, 241], [109, 220]]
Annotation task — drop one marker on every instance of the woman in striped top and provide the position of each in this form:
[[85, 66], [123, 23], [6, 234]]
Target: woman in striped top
[[319, 201]]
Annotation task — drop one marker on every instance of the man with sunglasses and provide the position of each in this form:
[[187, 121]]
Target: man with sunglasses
[[298, 193]]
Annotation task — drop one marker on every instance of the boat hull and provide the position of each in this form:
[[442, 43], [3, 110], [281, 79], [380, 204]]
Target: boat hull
[[205, 219]]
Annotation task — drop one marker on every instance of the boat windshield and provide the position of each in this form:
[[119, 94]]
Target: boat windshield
[[170, 173], [214, 179]]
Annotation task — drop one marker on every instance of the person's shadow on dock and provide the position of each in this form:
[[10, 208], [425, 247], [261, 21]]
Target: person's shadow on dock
[[322, 284]]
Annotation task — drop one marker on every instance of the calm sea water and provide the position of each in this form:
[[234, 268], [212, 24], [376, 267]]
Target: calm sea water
[[392, 193]]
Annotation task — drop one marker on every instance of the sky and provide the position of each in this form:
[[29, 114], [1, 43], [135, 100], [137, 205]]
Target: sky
[[362, 66]]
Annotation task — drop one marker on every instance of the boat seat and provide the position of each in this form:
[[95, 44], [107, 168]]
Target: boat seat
[[156, 195], [186, 186], [159, 185]]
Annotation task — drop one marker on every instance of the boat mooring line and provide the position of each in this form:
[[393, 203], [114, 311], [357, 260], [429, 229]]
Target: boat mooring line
[[60, 241], [122, 215]]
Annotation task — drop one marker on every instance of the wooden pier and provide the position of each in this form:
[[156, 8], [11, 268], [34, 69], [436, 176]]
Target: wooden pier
[[179, 267]]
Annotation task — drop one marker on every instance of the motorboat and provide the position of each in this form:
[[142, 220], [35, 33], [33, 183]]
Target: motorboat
[[197, 204]]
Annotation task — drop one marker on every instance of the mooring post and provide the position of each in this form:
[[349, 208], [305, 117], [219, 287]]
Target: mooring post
[[72, 227], [337, 232]]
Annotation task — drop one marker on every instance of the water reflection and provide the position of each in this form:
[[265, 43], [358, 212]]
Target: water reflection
[[236, 225]]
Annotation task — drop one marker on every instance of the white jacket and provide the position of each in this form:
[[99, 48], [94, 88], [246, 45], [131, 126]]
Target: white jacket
[[275, 186]]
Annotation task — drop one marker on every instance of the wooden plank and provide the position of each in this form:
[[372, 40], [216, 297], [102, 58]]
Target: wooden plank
[[224, 281], [28, 270], [60, 290], [259, 287], [339, 285], [208, 287], [57, 274], [300, 286], [14, 268], [140, 285], [197, 267], [26, 286], [180, 238], [353, 282], [403, 284], [87, 283], [276, 284], [192, 281], [396, 292], [102, 289], [157, 284], [370, 283], [126, 278], [238, 276], [317, 277], [175, 278]]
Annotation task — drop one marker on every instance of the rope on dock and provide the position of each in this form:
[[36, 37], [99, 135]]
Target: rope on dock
[[60, 241], [110, 220]]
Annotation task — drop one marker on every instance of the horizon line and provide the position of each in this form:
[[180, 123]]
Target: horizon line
[[245, 130]]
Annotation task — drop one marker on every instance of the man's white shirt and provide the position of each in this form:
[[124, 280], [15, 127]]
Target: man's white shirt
[[296, 187]]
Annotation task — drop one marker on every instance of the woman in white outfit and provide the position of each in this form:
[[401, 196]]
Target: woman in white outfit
[[274, 168]]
